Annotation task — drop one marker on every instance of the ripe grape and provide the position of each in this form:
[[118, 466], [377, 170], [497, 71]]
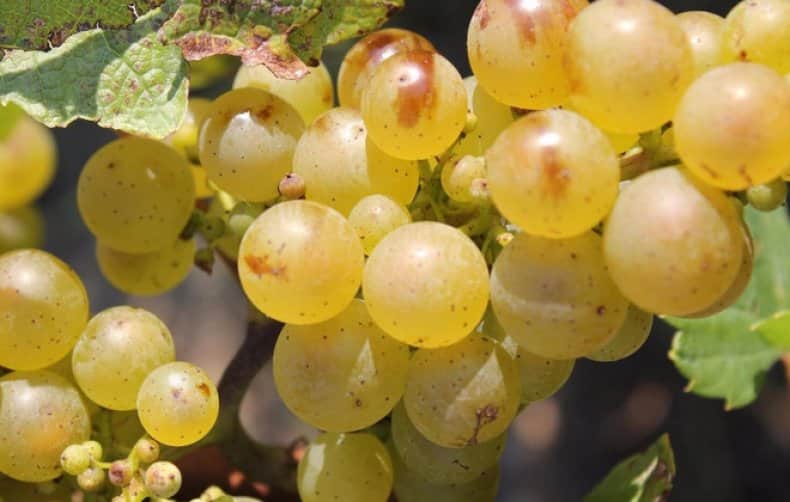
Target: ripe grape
[[27, 163], [673, 245], [310, 96], [464, 394], [178, 404], [414, 105], [340, 375], [374, 217], [347, 467], [21, 228], [247, 142], [40, 415], [300, 262], [436, 274], [459, 175], [631, 336], [555, 296], [135, 194], [366, 55], [148, 273], [203, 187], [553, 174], [185, 139], [704, 33], [757, 30], [492, 118], [339, 165], [750, 105], [517, 50], [44, 308], [118, 349], [629, 63]]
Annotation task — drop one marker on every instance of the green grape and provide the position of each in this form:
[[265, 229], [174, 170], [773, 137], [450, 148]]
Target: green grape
[[672, 244], [91, 479], [492, 118], [163, 479], [464, 394], [311, 95], [120, 472], [178, 404], [300, 262], [347, 467], [340, 375], [414, 105], [147, 273], [757, 30], [630, 338], [21, 228], [751, 106], [210, 70], [44, 309], [459, 175], [553, 174], [136, 194], [629, 63], [704, 34], [118, 349], [40, 415], [366, 55], [768, 196], [247, 142], [185, 139], [95, 449], [434, 273], [375, 216], [517, 50], [75, 459], [146, 450], [27, 163], [339, 165], [437, 464]]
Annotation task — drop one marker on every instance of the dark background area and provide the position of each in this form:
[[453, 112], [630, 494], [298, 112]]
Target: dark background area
[[558, 448]]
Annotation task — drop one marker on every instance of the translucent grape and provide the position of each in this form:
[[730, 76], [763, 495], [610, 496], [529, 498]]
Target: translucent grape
[[629, 63], [21, 228], [310, 96], [437, 464], [118, 349], [300, 262], [340, 375], [40, 415], [347, 467], [414, 105], [621, 142], [673, 245], [704, 33], [555, 297], [247, 142], [340, 165], [147, 273], [27, 163], [750, 105], [757, 30], [553, 173], [374, 217], [517, 50], [434, 273], [178, 404], [44, 309], [768, 196], [492, 118], [185, 139], [135, 194], [459, 175], [631, 336], [366, 55], [464, 394]]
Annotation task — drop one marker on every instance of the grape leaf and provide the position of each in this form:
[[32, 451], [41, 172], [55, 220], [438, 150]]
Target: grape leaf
[[644, 477], [728, 354]]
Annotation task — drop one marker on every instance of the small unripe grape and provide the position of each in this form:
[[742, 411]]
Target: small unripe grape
[[768, 196], [374, 217], [95, 450], [292, 186], [91, 479], [147, 450], [163, 479], [75, 459], [120, 472], [459, 174]]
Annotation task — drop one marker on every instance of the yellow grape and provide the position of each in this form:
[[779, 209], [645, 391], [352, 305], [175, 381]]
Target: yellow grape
[[517, 50], [621, 142], [673, 244], [759, 31], [414, 105], [426, 284], [459, 175], [340, 375], [629, 63], [27, 163], [185, 139], [555, 296], [40, 415], [300, 262], [750, 107], [553, 174], [203, 188], [630, 338], [340, 166], [21, 228], [148, 273], [178, 404], [492, 118], [135, 194], [247, 142], [311, 95], [374, 217], [367, 54], [704, 32], [44, 309]]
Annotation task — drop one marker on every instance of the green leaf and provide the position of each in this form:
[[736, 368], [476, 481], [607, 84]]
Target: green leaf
[[644, 477], [776, 330]]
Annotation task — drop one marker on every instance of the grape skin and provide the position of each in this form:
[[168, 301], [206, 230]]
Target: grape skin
[[757, 30], [21, 228], [631, 336], [704, 31], [492, 118], [27, 163], [374, 217], [185, 139], [459, 175]]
